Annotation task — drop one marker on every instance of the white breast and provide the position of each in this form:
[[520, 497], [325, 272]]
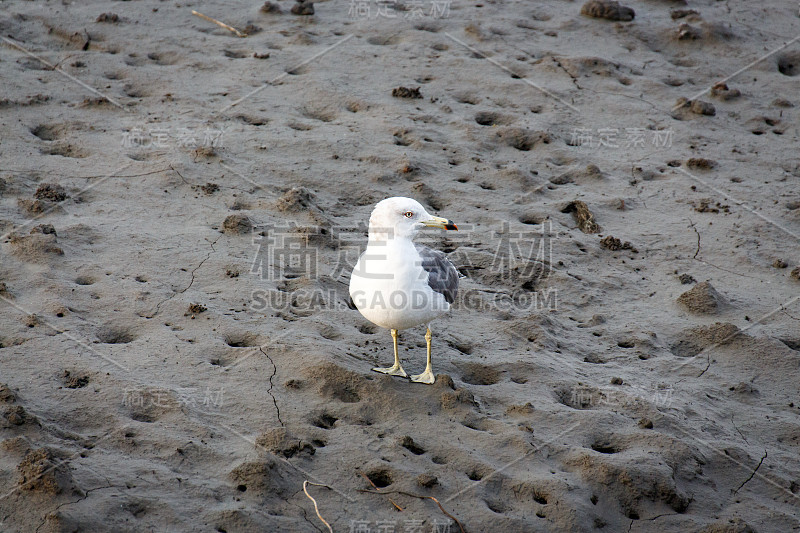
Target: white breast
[[390, 288]]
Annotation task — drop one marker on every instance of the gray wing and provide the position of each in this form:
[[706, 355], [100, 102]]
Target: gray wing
[[442, 274]]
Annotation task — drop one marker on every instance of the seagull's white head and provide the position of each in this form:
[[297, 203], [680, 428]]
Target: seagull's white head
[[402, 217]]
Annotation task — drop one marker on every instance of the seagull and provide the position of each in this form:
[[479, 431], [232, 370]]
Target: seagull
[[397, 284]]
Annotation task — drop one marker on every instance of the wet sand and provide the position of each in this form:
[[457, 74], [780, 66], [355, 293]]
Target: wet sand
[[625, 355]]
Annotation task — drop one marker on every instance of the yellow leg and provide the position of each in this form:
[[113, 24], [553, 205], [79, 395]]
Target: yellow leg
[[427, 376], [396, 369]]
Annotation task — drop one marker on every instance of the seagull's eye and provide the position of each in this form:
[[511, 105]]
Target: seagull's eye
[[408, 214]]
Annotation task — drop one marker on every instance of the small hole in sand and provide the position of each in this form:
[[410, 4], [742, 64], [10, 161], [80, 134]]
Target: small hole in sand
[[532, 219], [324, 421], [240, 340], [84, 280], [478, 374], [794, 344], [381, 478], [477, 425], [497, 506], [48, 132], [367, 329], [789, 64], [409, 444], [487, 118], [115, 335], [295, 384], [604, 447]]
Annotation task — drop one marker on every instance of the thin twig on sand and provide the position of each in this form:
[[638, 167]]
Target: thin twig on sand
[[220, 24], [316, 509], [421, 497]]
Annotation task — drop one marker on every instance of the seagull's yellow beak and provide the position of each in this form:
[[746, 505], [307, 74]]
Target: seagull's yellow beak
[[441, 223]]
